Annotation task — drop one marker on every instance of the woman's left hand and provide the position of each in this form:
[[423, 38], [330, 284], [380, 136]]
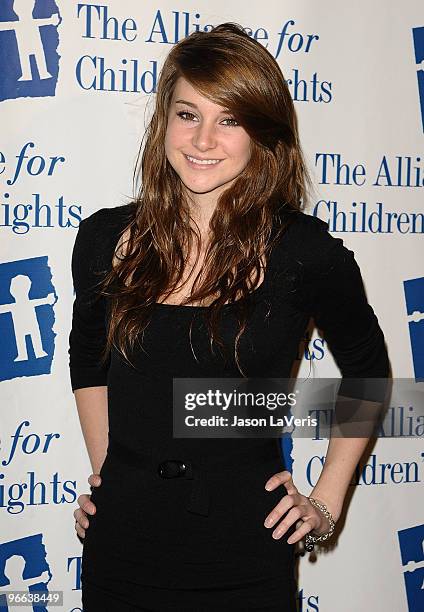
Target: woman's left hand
[[300, 509]]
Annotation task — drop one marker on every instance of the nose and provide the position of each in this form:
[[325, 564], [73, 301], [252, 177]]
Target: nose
[[204, 136]]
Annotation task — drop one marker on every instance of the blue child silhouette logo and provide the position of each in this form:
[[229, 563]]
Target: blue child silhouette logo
[[23, 567], [27, 297], [411, 542], [418, 36], [414, 296], [29, 62]]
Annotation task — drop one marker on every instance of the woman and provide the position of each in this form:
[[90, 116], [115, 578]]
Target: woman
[[214, 271]]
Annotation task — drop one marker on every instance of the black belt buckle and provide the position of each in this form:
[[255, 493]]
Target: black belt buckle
[[172, 468]]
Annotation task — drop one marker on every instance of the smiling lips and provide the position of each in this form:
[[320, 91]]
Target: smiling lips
[[193, 161]]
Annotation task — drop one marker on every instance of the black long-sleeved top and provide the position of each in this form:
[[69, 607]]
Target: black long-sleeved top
[[207, 543], [311, 273]]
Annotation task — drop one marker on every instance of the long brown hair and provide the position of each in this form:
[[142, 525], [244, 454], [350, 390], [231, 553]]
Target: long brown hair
[[233, 70]]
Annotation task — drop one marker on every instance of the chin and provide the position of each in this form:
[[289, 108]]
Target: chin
[[202, 189], [205, 187]]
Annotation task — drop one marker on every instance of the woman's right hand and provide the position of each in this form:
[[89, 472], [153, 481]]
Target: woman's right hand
[[86, 506]]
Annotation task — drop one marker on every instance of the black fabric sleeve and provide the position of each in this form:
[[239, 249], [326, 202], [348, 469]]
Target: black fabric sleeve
[[88, 332], [335, 297]]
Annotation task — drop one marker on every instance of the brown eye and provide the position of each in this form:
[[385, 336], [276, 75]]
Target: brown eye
[[181, 114], [235, 122]]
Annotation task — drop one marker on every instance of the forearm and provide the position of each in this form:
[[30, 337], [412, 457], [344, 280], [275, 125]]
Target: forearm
[[342, 457], [92, 408], [352, 416]]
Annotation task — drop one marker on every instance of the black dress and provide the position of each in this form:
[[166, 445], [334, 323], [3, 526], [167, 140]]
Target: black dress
[[198, 542]]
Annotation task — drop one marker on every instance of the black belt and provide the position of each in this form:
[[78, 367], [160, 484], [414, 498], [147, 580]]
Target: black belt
[[199, 500]]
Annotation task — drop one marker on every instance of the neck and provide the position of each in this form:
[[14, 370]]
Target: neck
[[202, 207]]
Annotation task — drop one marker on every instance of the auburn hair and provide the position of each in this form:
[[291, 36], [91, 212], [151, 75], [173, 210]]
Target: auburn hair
[[232, 70]]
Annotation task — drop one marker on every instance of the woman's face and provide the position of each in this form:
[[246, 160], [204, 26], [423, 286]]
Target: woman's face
[[200, 131]]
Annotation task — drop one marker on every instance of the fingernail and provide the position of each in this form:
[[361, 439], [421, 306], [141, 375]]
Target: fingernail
[[268, 487]]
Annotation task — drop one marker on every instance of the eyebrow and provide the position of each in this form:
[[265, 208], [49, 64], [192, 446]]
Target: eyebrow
[[185, 102], [194, 105]]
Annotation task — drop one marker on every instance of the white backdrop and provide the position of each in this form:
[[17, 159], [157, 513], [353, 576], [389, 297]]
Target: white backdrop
[[68, 144]]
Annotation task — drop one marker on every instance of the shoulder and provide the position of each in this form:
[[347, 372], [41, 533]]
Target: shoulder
[[108, 222], [100, 231], [309, 257], [301, 224], [307, 239], [97, 237]]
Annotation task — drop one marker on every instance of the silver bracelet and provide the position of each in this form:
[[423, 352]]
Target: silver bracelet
[[310, 539]]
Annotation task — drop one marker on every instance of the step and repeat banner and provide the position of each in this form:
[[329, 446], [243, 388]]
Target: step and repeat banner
[[77, 84]]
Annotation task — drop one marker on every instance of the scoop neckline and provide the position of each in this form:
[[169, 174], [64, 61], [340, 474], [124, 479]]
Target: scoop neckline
[[252, 294]]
